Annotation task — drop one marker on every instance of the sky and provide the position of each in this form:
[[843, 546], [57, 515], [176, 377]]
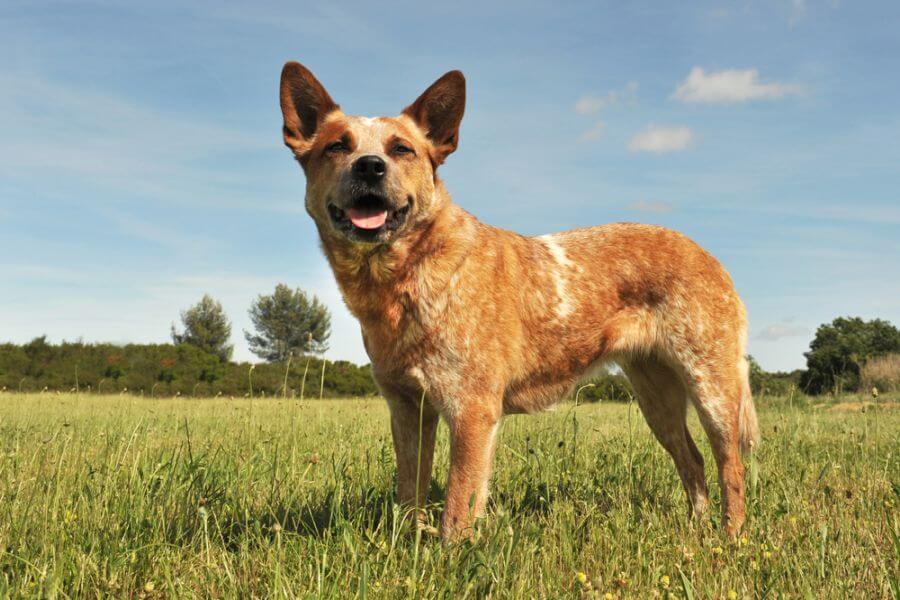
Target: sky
[[141, 160]]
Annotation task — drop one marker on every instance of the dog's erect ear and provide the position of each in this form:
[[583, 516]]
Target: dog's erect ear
[[439, 111], [304, 103]]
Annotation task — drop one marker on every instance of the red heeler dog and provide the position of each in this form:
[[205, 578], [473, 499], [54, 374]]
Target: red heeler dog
[[483, 322]]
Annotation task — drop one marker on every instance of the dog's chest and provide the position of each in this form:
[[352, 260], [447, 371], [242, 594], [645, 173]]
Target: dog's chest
[[418, 342], [405, 330]]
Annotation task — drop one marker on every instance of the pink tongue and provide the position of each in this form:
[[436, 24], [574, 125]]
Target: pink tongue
[[367, 218]]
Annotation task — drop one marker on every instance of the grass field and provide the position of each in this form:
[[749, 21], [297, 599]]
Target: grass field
[[123, 496]]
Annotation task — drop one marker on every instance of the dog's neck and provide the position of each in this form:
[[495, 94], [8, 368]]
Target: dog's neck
[[381, 284]]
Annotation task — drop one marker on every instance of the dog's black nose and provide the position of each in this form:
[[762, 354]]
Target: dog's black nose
[[369, 168]]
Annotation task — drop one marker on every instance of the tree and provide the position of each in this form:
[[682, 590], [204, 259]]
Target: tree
[[207, 327], [288, 323], [839, 350]]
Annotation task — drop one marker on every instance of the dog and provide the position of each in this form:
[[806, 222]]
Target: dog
[[469, 322]]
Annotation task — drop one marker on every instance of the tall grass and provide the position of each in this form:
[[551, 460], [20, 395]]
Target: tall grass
[[257, 498], [882, 373]]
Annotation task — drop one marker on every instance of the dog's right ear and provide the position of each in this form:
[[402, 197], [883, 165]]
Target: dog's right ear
[[304, 104]]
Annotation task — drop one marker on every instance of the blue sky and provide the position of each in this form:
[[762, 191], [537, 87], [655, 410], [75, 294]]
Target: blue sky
[[141, 163]]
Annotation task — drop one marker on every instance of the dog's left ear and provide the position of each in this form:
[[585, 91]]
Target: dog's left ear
[[439, 111]]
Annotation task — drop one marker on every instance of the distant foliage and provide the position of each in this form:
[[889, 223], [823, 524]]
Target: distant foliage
[[288, 323], [881, 373], [765, 383], [167, 370], [608, 387], [207, 327], [614, 386], [840, 349]]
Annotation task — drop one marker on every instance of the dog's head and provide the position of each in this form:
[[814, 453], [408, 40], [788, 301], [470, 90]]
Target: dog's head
[[370, 181]]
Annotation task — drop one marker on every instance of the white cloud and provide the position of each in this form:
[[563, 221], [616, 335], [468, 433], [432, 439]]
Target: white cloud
[[590, 104], [647, 206], [594, 133], [798, 11], [661, 139], [781, 330], [730, 86]]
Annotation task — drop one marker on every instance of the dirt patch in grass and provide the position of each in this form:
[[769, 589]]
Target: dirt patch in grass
[[860, 406]]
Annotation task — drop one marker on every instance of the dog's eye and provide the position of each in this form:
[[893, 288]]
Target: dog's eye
[[401, 149], [335, 147]]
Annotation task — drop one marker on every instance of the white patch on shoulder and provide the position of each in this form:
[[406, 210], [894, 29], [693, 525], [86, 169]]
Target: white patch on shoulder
[[565, 306], [556, 250]]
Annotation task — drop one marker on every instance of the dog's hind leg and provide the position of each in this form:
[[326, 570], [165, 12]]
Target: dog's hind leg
[[718, 397], [663, 401]]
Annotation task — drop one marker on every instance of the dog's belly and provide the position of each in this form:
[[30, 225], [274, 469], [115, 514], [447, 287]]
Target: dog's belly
[[552, 375], [526, 398]]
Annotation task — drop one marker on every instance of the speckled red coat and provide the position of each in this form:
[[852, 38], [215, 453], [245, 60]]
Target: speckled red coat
[[485, 322]]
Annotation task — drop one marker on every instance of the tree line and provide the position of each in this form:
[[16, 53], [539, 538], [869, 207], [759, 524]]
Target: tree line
[[291, 331], [846, 355], [172, 370]]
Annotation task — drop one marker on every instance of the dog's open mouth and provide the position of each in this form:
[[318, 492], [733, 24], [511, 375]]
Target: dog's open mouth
[[368, 217]]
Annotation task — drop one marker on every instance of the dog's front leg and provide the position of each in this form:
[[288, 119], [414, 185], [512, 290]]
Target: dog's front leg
[[408, 418], [473, 438]]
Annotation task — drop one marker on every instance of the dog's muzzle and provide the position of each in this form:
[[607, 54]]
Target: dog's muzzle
[[368, 218]]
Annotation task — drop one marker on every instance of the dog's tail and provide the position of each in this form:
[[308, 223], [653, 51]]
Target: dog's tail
[[748, 426]]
